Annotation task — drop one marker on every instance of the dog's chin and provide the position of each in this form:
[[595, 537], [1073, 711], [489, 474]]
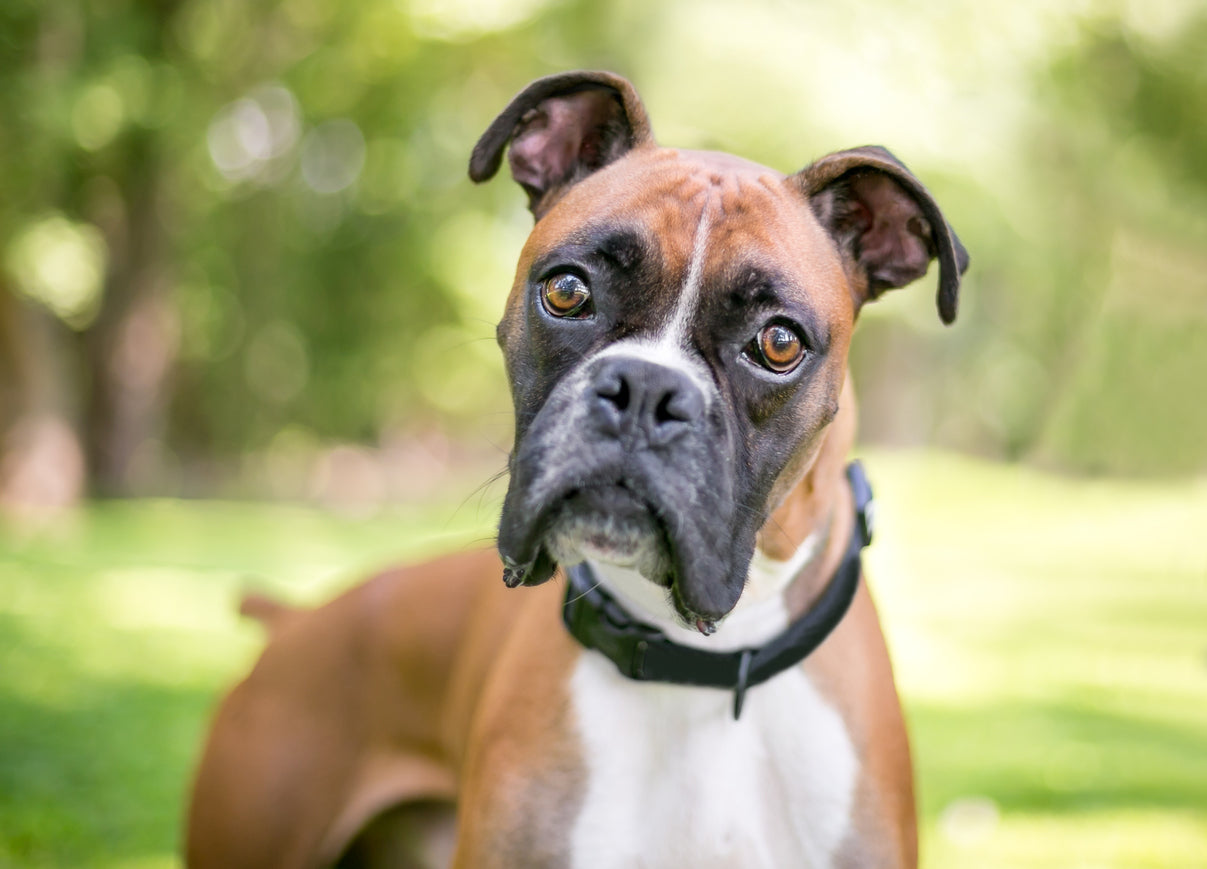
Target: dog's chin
[[617, 522], [612, 526]]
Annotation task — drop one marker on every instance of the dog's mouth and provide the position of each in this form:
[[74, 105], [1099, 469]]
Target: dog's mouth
[[611, 523], [604, 520]]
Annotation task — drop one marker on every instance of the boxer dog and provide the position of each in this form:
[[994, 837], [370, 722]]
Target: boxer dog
[[705, 682]]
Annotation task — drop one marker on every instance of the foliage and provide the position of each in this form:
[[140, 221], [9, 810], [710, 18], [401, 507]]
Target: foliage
[[243, 229]]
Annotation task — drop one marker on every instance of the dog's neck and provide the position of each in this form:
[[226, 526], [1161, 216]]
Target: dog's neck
[[798, 551]]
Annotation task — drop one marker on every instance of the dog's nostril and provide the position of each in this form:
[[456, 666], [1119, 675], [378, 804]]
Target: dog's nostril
[[667, 411], [615, 392]]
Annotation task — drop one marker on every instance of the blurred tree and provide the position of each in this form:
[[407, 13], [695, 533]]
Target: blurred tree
[[239, 229], [85, 233], [226, 218], [1122, 328]]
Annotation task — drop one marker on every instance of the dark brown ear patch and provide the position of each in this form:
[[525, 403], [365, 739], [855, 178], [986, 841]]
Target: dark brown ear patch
[[885, 222], [561, 129], [885, 228], [566, 138]]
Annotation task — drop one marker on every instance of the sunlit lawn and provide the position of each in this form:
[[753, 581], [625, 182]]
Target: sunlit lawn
[[1050, 637]]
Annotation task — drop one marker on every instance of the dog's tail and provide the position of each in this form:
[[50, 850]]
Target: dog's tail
[[264, 609]]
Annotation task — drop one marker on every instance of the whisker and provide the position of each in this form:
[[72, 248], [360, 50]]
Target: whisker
[[586, 592]]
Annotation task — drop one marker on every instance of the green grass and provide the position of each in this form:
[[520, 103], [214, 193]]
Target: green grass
[[1050, 638]]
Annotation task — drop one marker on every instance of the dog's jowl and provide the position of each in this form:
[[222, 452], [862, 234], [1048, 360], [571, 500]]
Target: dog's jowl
[[681, 665]]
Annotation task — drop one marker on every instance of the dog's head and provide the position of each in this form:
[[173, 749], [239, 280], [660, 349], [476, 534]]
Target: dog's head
[[676, 337]]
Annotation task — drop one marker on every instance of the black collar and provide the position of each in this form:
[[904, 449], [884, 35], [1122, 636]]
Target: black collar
[[643, 652]]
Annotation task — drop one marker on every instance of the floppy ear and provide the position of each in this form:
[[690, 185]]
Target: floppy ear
[[886, 224], [562, 128]]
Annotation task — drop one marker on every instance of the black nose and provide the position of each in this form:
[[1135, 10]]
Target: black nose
[[646, 401]]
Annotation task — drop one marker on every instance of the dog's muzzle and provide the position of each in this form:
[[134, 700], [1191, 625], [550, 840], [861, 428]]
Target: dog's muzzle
[[626, 463]]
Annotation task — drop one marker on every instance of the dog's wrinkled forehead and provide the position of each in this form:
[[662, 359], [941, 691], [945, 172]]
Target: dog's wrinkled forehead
[[690, 226]]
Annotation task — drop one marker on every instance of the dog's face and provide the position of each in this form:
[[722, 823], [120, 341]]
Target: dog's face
[[676, 337]]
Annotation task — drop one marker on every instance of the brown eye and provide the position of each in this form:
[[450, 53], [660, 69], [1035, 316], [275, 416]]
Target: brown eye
[[566, 295], [779, 348]]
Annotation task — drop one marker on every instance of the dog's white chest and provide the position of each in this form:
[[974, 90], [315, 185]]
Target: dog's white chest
[[674, 781]]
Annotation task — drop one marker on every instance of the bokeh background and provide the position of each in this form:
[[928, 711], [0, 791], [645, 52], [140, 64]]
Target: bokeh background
[[247, 302]]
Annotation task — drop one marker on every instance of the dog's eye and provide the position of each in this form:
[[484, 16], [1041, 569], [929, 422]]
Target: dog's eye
[[566, 295], [778, 348]]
